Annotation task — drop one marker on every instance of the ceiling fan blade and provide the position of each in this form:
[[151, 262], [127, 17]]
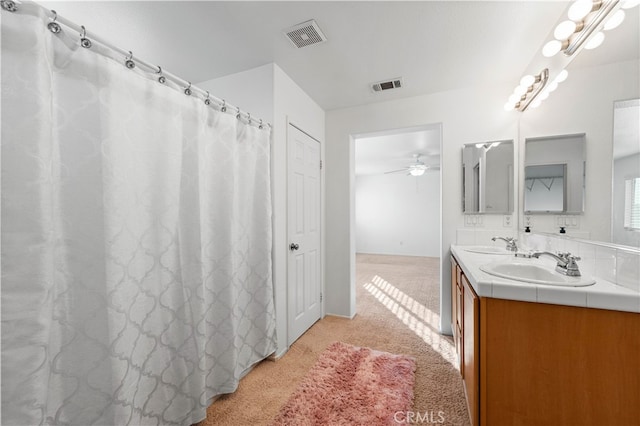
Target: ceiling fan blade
[[396, 171]]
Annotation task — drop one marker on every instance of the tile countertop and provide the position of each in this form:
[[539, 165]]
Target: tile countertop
[[602, 295]]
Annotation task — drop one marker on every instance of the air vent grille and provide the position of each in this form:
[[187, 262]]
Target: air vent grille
[[305, 34], [380, 86]]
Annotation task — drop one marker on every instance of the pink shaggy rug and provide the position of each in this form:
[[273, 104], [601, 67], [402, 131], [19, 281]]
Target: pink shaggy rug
[[349, 385]]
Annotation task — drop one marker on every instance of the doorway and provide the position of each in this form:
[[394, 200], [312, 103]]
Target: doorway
[[397, 194]]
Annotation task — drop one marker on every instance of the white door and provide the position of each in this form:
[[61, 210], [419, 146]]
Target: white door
[[304, 283]]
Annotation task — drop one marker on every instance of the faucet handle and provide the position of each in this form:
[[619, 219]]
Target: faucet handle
[[568, 256]]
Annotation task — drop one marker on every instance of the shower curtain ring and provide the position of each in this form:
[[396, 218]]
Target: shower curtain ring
[[224, 106], [53, 26], [249, 117], [238, 113], [207, 101], [162, 78], [129, 61], [260, 126], [84, 41], [9, 5], [187, 91]]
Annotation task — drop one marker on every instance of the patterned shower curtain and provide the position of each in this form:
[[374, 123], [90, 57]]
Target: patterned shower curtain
[[136, 239]]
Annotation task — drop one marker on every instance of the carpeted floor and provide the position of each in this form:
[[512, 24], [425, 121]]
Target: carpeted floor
[[398, 312]]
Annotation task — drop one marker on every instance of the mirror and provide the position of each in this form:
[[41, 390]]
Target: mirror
[[554, 171], [625, 223], [584, 103], [487, 177], [546, 188]]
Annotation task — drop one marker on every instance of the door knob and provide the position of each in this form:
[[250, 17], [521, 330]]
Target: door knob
[[294, 246]]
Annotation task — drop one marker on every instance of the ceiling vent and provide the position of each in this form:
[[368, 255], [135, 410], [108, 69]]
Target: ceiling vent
[[305, 34], [381, 86]]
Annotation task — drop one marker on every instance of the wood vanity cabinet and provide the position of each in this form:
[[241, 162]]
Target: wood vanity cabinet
[[465, 323], [525, 363]]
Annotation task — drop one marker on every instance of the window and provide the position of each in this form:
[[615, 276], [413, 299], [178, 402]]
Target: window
[[632, 204]]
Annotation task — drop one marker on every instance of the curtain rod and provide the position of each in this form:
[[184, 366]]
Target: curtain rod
[[188, 88]]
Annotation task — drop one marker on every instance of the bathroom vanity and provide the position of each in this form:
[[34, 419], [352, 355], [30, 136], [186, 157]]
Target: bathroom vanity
[[533, 354]]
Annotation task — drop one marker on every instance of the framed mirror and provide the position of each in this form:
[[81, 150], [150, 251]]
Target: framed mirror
[[487, 177], [554, 178], [625, 223]]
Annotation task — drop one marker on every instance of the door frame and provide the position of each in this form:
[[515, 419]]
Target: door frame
[[443, 259], [321, 225]]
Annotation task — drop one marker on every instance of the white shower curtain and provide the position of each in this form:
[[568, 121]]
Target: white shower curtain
[[136, 240]]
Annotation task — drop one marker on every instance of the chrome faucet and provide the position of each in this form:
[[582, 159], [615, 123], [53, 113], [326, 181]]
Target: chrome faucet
[[511, 242], [566, 262]]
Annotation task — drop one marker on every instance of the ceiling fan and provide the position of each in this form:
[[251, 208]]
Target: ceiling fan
[[415, 169]]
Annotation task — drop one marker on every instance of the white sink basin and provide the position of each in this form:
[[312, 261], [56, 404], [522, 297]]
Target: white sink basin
[[487, 250], [534, 274]]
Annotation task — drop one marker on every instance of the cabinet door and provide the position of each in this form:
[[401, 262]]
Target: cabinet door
[[460, 302], [471, 349], [454, 298]]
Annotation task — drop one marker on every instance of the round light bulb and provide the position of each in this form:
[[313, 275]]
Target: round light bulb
[[564, 30], [553, 86], [544, 95], [595, 41], [628, 4], [520, 90], [527, 80], [514, 99], [509, 106], [615, 20], [551, 48], [579, 9], [536, 103], [562, 76]]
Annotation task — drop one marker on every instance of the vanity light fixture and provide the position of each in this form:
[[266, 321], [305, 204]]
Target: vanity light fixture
[[587, 20], [544, 94], [528, 89]]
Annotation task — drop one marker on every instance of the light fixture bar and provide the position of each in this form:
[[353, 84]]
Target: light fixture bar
[[581, 36], [534, 90]]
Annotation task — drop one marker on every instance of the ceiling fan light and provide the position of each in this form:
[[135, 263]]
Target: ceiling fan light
[[416, 172]]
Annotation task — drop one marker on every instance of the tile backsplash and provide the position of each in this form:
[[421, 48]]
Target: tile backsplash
[[616, 264]]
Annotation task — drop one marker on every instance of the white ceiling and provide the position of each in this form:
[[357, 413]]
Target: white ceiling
[[434, 45], [389, 151]]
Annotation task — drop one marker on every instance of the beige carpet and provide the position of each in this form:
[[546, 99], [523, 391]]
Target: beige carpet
[[398, 312]]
